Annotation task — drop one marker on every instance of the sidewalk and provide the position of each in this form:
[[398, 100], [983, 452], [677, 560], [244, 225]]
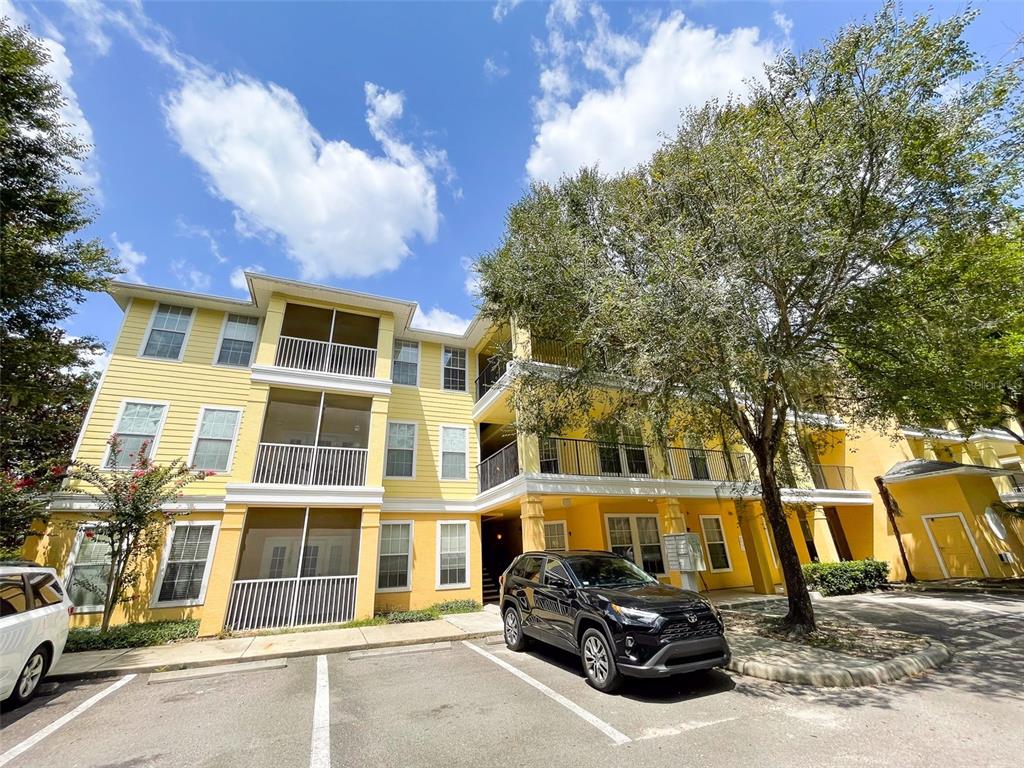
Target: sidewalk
[[206, 653]]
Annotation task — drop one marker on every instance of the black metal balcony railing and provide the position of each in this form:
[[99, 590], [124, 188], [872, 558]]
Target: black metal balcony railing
[[593, 458], [488, 377], [556, 352], [704, 464], [499, 467], [834, 477], [1017, 482]]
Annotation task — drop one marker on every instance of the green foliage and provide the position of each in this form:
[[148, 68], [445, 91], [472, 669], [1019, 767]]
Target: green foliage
[[23, 510], [131, 635], [45, 269], [435, 611], [846, 578], [405, 617], [450, 607]]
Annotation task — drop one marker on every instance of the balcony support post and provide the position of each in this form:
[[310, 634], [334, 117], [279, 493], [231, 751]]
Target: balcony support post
[[758, 550], [366, 583], [823, 542], [672, 519], [223, 570], [529, 454], [532, 518]]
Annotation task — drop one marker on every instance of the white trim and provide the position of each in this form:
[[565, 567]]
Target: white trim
[[188, 503], [498, 389], [443, 388], [826, 497], [154, 601], [234, 438], [1014, 497], [69, 565], [408, 567], [419, 362], [428, 506], [220, 341], [184, 342], [440, 453], [565, 534], [437, 556], [970, 538], [303, 495], [724, 542], [319, 382], [634, 533], [415, 448], [117, 424]]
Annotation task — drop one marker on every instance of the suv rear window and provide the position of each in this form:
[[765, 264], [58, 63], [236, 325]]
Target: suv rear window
[[12, 595], [528, 568], [45, 590]]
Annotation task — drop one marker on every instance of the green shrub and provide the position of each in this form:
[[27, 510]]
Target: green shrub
[[404, 617], [456, 606], [847, 577], [131, 635]]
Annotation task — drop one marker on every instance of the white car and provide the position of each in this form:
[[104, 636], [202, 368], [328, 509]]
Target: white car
[[34, 611]]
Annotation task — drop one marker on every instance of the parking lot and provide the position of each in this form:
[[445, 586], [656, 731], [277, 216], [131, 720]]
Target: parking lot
[[478, 704]]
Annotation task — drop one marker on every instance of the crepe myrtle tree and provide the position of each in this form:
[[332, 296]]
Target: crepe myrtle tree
[[132, 514], [705, 287]]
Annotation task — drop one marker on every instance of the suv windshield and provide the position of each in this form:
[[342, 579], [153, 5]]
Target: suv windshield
[[604, 571]]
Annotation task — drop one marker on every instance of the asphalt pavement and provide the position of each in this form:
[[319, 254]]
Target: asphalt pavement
[[475, 703]]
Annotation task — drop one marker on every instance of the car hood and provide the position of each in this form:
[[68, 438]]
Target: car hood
[[650, 596]]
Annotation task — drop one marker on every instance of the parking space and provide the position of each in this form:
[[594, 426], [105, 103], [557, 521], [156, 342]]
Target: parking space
[[479, 704]]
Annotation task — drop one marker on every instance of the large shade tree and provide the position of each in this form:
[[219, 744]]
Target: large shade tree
[[707, 287]]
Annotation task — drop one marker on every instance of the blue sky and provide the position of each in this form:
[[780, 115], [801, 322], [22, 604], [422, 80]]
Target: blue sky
[[377, 146]]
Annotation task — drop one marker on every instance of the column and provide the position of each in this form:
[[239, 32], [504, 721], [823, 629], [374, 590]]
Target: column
[[266, 353], [385, 346], [366, 586], [521, 346], [376, 440], [532, 517], [672, 519], [222, 572], [823, 541], [755, 542]]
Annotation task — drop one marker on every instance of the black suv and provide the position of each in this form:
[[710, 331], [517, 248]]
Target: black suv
[[620, 620]]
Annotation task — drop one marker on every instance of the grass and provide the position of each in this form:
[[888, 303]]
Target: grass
[[131, 635]]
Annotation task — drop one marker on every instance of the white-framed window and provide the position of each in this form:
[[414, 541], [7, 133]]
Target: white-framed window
[[638, 538], [452, 554], [216, 433], [715, 543], [237, 340], [394, 556], [400, 461], [88, 569], [137, 430], [405, 364], [168, 331], [185, 569], [454, 374], [454, 449], [556, 537]]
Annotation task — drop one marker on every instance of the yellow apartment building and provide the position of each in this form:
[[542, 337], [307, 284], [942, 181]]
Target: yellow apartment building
[[363, 464]]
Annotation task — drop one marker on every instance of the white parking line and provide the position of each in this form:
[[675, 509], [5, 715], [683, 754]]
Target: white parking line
[[320, 744], [41, 734], [617, 736]]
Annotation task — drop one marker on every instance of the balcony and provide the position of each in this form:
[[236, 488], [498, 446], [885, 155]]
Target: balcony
[[499, 467], [593, 458], [834, 477], [489, 375], [286, 464], [325, 357], [703, 464]]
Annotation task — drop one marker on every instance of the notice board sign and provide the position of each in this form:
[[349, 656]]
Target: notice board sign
[[684, 552]]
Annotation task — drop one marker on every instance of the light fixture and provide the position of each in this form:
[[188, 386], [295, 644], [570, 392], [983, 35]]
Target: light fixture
[[499, 537]]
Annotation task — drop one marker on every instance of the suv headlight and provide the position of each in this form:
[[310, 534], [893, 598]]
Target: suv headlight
[[637, 616]]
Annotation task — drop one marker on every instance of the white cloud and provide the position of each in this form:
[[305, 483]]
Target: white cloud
[[190, 277], [646, 83], [130, 259], [493, 70], [783, 22], [503, 8], [185, 229], [95, 359], [472, 281], [238, 277], [89, 16], [439, 319]]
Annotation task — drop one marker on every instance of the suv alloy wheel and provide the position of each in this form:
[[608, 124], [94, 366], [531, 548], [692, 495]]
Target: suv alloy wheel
[[31, 675], [599, 661], [515, 640]]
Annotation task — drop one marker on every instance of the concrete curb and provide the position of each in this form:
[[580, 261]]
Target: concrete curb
[[93, 674], [952, 588], [836, 676]]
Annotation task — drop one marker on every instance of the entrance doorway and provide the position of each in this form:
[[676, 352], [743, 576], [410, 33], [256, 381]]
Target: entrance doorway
[[955, 549], [501, 542]]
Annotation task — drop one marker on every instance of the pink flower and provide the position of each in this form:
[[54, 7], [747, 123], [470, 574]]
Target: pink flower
[[25, 482], [209, 473]]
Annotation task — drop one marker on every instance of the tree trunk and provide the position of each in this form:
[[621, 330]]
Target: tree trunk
[[801, 613], [890, 510]]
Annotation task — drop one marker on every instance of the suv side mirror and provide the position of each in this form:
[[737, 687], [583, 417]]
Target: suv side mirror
[[558, 582]]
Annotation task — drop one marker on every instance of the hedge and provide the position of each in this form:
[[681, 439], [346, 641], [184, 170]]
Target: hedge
[[846, 578], [130, 635]]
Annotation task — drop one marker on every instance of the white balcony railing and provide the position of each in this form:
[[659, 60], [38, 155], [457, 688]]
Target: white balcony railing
[[325, 357], [268, 603], [286, 464]]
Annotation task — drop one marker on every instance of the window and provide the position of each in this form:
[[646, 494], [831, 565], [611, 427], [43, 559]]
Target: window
[[401, 450], [87, 582], [452, 554], [167, 332], [528, 568], [215, 439], [557, 570], [277, 560], [12, 596], [637, 538], [238, 340], [186, 563], [555, 536], [453, 453], [136, 433], [394, 560], [310, 559], [45, 590], [453, 374], [714, 540], [405, 366]]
